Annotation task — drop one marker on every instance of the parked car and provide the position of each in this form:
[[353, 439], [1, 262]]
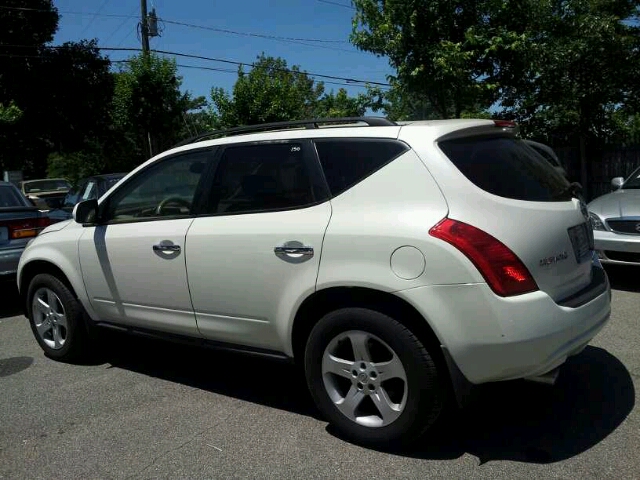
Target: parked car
[[549, 155], [46, 193], [20, 222], [396, 264], [615, 218], [86, 189]]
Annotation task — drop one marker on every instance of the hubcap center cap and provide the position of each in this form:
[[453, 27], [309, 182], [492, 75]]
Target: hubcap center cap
[[363, 377]]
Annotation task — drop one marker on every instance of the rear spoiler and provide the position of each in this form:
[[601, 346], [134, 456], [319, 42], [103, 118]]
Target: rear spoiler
[[506, 127], [18, 209]]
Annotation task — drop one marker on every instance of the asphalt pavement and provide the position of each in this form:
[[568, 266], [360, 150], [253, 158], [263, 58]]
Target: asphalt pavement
[[149, 409]]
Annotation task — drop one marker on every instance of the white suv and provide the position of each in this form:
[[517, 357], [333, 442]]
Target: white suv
[[399, 264]]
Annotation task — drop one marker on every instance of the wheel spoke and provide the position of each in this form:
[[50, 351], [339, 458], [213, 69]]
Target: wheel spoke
[[391, 369], [389, 411], [62, 320], [57, 339], [42, 305], [349, 404], [43, 328], [359, 343], [51, 300], [337, 366]]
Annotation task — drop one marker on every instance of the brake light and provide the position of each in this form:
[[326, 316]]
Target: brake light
[[26, 228], [501, 268], [505, 123]]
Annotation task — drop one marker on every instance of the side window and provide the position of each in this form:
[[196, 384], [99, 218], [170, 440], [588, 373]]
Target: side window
[[347, 162], [164, 190], [89, 191], [73, 196], [258, 178]]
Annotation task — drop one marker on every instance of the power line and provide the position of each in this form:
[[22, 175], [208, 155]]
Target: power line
[[234, 32], [104, 4], [121, 25], [249, 34], [222, 60], [28, 9], [338, 4]]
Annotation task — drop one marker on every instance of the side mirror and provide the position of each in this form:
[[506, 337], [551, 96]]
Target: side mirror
[[86, 212], [617, 182]]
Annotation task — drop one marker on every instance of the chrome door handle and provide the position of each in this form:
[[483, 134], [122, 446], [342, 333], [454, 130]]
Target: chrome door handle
[[166, 248], [304, 251]]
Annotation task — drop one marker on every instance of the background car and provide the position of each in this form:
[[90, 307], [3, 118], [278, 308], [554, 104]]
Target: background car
[[615, 218], [86, 189], [20, 221], [46, 193]]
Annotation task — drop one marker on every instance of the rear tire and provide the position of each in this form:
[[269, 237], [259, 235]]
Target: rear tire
[[56, 317], [372, 378]]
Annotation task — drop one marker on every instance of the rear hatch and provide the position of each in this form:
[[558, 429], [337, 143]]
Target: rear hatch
[[510, 192]]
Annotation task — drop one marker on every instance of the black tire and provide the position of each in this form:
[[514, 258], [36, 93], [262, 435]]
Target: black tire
[[425, 393], [76, 339]]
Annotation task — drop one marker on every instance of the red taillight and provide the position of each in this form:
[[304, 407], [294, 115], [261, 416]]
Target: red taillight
[[505, 123], [501, 268], [26, 228]]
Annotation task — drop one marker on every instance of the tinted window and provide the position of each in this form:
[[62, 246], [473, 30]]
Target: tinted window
[[506, 167], [45, 185], [165, 190], [10, 197], [347, 162], [261, 178], [633, 181]]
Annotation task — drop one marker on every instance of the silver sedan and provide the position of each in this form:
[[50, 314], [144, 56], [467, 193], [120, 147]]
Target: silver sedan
[[615, 218]]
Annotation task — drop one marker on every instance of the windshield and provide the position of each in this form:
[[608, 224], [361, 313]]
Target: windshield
[[633, 181], [45, 185]]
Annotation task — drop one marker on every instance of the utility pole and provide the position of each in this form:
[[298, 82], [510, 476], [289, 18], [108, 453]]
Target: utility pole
[[144, 36]]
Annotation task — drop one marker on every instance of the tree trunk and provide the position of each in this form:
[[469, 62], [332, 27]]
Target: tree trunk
[[584, 177]]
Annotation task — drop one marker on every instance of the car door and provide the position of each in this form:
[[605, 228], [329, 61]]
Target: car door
[[133, 261], [256, 251]]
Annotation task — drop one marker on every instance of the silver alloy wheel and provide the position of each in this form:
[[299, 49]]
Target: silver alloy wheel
[[49, 318], [370, 385]]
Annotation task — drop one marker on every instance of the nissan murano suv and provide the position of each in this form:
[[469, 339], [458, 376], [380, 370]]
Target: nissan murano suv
[[397, 264]]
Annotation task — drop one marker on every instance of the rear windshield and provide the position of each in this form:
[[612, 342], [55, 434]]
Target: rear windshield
[[507, 167], [10, 197], [45, 185]]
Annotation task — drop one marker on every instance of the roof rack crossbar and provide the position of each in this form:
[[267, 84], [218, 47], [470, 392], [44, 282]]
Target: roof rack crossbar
[[307, 124]]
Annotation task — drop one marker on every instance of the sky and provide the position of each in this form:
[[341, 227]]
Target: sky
[[114, 24]]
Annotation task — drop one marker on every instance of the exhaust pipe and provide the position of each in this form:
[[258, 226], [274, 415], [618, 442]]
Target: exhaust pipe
[[548, 378]]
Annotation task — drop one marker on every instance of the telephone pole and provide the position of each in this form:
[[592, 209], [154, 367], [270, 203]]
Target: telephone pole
[[144, 37]]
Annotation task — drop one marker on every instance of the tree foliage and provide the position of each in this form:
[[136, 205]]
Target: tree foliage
[[273, 92], [148, 100]]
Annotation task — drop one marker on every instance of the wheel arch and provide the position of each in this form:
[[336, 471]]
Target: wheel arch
[[36, 267]]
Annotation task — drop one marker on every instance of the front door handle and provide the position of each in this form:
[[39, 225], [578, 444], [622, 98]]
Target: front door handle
[[284, 250], [166, 248]]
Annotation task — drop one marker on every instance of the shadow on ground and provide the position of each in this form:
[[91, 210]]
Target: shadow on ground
[[517, 420], [624, 277]]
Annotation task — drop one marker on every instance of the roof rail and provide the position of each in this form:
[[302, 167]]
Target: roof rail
[[307, 124]]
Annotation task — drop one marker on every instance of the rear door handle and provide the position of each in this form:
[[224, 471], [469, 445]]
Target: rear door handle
[[304, 251], [166, 248]]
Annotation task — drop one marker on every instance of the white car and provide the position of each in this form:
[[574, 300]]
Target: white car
[[398, 264], [615, 218]]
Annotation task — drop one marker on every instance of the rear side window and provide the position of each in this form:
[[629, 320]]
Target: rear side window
[[347, 162], [9, 197], [506, 167]]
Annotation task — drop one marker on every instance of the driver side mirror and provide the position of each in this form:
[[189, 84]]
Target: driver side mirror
[[617, 182], [86, 212]]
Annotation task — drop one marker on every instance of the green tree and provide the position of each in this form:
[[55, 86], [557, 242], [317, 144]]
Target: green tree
[[270, 92], [148, 100], [9, 114], [340, 104]]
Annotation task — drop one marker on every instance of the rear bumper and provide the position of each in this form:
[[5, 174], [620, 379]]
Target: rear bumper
[[492, 338], [615, 248], [9, 259]]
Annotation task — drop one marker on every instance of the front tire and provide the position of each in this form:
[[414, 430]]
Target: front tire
[[57, 319], [372, 378]]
